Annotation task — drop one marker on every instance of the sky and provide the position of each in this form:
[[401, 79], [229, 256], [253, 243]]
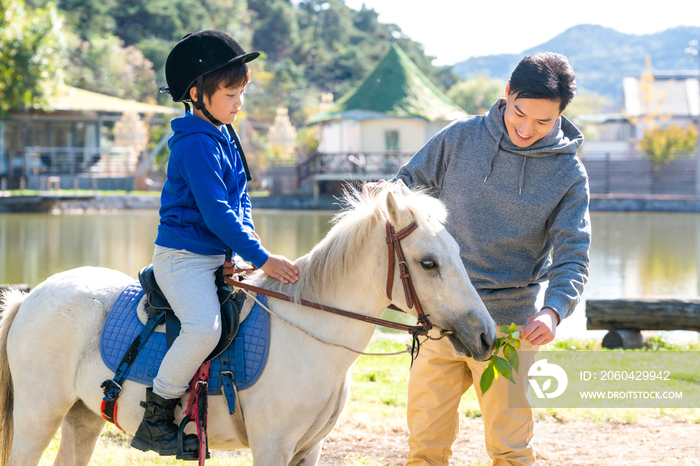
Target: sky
[[454, 30]]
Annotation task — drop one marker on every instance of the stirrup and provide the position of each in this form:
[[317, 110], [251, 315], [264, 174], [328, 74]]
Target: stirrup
[[182, 454]]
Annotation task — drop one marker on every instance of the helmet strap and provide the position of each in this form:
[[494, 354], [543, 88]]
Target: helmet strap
[[199, 104]]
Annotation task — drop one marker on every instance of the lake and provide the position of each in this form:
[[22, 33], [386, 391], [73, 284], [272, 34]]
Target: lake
[[633, 254]]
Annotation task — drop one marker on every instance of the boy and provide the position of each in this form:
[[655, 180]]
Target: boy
[[205, 208], [515, 192]]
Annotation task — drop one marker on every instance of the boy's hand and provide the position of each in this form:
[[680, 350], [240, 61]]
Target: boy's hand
[[541, 328], [281, 268], [368, 187]]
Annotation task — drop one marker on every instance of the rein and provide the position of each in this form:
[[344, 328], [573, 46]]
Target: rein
[[393, 240]]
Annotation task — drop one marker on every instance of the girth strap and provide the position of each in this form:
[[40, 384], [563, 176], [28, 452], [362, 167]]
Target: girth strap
[[113, 388]]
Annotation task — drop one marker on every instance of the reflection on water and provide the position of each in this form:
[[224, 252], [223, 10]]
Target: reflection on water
[[644, 254], [633, 254], [291, 234], [640, 254], [36, 246]]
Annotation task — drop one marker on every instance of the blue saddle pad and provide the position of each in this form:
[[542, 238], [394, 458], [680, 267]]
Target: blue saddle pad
[[245, 358]]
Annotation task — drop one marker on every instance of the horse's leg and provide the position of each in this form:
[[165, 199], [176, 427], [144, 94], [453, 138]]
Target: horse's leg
[[33, 429], [273, 452], [311, 458], [79, 433], [44, 387]]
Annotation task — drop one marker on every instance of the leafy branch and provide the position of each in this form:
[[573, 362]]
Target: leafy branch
[[503, 365]]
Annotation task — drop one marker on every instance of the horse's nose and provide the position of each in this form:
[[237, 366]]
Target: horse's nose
[[487, 342]]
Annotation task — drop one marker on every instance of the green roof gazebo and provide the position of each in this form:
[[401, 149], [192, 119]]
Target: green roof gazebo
[[395, 109]]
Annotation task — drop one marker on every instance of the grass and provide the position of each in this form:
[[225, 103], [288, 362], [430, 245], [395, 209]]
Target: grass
[[378, 404], [259, 193]]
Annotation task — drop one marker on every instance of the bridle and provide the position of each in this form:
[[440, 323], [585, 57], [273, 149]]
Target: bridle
[[393, 240]]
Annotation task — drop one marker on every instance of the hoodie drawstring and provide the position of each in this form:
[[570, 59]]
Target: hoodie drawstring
[[498, 144], [522, 170], [522, 176]]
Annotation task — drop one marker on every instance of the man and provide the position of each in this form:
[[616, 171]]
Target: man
[[515, 192]]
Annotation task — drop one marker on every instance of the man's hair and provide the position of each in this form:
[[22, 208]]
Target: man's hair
[[231, 75], [544, 75]]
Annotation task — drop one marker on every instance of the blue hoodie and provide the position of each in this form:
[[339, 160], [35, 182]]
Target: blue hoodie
[[205, 206]]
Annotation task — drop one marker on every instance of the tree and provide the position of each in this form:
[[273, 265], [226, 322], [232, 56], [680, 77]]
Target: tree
[[476, 95], [663, 145], [87, 18], [32, 55], [104, 65], [275, 27], [588, 103]]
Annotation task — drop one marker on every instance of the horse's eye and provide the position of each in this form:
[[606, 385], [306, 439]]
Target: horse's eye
[[429, 264]]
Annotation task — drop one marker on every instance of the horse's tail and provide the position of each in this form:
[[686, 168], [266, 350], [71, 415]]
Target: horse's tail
[[10, 302]]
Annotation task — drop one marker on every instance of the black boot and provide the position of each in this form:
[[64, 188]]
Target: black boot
[[158, 431]]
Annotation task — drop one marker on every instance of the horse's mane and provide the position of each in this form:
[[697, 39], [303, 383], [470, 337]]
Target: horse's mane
[[333, 257]]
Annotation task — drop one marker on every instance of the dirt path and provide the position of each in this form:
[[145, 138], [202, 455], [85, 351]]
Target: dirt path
[[653, 441]]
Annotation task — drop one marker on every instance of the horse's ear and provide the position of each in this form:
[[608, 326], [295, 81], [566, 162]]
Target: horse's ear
[[396, 210], [402, 188]]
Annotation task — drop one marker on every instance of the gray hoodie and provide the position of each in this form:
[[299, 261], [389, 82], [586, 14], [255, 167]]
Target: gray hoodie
[[509, 208]]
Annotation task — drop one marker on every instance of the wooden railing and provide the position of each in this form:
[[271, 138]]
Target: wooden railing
[[34, 160], [611, 173], [356, 164]]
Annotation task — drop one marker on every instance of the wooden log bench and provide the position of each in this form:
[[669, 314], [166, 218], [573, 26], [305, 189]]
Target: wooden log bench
[[625, 318]]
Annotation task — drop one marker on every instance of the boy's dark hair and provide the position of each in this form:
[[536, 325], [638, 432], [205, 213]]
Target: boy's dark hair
[[232, 75], [544, 75]]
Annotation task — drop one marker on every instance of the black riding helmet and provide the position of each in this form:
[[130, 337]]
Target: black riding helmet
[[194, 56]]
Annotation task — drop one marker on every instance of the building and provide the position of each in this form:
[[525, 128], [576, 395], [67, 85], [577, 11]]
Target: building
[[87, 141], [611, 153], [395, 109], [654, 99], [376, 127]]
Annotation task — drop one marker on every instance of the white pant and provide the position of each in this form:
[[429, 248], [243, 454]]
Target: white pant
[[187, 280]]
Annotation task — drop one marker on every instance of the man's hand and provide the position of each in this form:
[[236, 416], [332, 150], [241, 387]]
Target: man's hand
[[281, 268], [541, 328]]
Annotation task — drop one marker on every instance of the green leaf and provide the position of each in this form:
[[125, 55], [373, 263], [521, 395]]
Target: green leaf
[[516, 344], [504, 369], [512, 328], [512, 356], [487, 378], [505, 330], [499, 344]]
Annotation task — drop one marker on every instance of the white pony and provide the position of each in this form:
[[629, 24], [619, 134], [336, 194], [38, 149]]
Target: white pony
[[51, 369]]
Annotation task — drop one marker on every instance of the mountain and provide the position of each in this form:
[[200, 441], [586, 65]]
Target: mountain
[[600, 56]]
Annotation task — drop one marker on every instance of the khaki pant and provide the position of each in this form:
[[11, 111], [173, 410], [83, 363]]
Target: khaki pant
[[438, 380]]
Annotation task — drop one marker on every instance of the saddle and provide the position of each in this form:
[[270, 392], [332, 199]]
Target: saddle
[[230, 299], [159, 311]]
